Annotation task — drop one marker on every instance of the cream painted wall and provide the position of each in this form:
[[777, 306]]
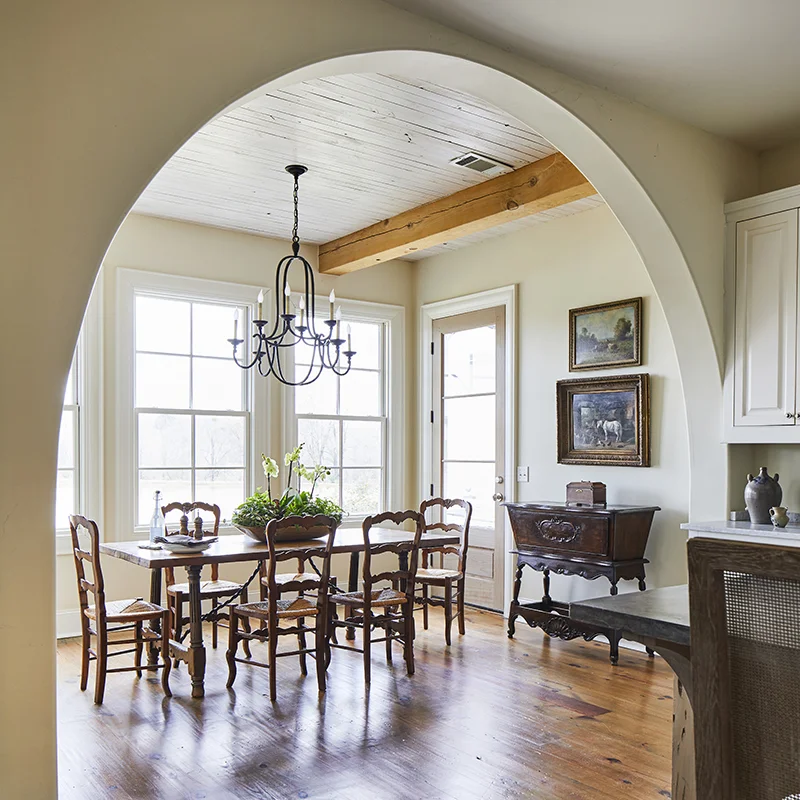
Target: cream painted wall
[[779, 167], [176, 248], [574, 261], [88, 121]]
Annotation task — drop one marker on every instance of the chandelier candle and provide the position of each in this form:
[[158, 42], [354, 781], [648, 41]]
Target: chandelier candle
[[272, 346]]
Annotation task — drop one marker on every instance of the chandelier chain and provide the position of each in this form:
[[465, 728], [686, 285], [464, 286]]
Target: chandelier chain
[[295, 234]]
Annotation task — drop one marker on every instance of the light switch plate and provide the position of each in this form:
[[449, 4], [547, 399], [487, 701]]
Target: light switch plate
[[523, 474]]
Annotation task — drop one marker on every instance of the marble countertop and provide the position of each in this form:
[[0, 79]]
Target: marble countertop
[[745, 532]]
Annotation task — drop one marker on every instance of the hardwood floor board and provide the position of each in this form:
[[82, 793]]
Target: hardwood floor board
[[489, 718]]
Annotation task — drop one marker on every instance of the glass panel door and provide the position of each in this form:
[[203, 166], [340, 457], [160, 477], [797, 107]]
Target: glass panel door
[[468, 438]]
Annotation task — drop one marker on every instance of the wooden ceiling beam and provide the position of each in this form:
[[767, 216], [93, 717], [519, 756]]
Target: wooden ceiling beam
[[542, 185]]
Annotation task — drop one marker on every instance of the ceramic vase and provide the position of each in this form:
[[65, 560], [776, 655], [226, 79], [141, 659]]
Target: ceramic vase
[[760, 495]]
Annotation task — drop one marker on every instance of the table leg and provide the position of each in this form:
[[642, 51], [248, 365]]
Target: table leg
[[683, 778], [546, 599], [197, 651], [512, 615], [154, 648], [352, 586]]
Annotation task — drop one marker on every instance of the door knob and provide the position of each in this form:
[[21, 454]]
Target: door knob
[[497, 496]]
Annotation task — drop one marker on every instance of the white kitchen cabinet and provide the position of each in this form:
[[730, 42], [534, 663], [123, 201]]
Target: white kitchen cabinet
[[762, 401]]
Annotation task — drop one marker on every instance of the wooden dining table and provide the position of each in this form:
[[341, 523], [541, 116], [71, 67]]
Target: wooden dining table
[[236, 548]]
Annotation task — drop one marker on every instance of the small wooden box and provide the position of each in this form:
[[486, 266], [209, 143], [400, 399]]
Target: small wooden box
[[586, 493]]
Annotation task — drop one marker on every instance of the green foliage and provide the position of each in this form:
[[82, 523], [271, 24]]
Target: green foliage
[[260, 508]]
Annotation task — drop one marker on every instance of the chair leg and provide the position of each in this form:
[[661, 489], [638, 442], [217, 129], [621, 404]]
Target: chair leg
[[86, 641], [321, 648], [165, 659], [273, 658], [388, 630], [101, 663], [139, 647], [246, 626], [367, 636], [462, 629], [301, 645], [408, 637], [233, 643], [214, 604], [425, 606], [448, 609]]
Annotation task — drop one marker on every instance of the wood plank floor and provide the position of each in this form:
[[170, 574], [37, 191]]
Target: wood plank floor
[[489, 718]]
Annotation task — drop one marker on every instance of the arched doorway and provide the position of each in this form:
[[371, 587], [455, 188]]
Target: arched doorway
[[119, 121]]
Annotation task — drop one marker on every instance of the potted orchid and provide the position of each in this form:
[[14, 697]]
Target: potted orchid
[[253, 515]]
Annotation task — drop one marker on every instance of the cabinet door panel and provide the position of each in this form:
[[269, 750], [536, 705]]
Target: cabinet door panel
[[766, 320]]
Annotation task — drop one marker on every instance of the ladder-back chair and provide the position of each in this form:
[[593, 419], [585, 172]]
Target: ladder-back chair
[[387, 608], [444, 577], [213, 590], [269, 613], [124, 615]]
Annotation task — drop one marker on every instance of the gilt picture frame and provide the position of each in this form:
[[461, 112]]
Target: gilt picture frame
[[604, 421], [606, 335]]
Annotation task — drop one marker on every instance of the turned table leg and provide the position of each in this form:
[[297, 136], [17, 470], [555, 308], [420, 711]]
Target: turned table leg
[[197, 651], [512, 615], [154, 647]]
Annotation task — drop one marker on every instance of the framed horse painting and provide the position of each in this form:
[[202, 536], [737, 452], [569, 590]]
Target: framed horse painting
[[606, 335], [604, 421]]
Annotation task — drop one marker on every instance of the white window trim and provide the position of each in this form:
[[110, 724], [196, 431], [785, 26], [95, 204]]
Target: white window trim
[[505, 296], [395, 361], [89, 358], [262, 394]]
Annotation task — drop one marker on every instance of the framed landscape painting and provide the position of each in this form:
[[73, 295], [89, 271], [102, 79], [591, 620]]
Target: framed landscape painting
[[604, 421], [606, 335]]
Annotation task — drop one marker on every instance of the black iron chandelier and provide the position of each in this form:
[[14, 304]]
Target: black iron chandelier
[[270, 350]]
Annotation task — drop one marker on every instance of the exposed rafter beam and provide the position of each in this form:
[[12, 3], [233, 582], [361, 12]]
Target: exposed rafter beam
[[545, 184]]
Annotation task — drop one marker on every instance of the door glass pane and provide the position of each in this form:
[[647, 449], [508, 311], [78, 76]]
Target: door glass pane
[[66, 501], [175, 486], [162, 381], [165, 440], [66, 438], [473, 482], [469, 361], [361, 394], [216, 385], [219, 441], [225, 487], [363, 443], [320, 438], [365, 339], [468, 431], [318, 397], [212, 326], [162, 326], [361, 490], [69, 391]]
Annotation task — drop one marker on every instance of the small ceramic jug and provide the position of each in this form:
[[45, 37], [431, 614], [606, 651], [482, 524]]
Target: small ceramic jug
[[779, 517]]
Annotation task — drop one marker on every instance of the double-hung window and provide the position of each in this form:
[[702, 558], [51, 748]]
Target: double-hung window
[[351, 423], [68, 479], [193, 433]]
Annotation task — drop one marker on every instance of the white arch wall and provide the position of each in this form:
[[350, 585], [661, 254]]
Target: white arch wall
[[97, 96]]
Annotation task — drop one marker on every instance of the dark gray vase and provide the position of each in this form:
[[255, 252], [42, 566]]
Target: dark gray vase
[[760, 495]]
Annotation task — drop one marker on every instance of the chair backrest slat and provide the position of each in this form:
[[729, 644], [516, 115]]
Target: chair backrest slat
[[373, 548], [96, 586], [320, 526], [187, 508], [441, 505]]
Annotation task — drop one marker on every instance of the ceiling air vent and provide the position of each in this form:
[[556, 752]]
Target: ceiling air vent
[[484, 164]]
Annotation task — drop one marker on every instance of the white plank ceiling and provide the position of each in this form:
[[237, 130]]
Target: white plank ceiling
[[375, 145]]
